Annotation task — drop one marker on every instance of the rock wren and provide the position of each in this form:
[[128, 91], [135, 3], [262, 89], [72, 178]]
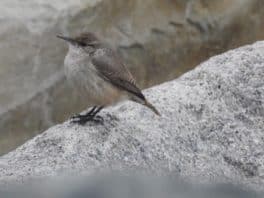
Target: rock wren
[[98, 73]]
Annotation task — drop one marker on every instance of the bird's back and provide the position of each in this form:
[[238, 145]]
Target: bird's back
[[110, 66]]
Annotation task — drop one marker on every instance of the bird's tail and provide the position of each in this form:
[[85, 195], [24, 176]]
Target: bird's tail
[[150, 106]]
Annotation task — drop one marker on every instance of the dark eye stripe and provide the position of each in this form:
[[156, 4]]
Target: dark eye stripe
[[82, 44]]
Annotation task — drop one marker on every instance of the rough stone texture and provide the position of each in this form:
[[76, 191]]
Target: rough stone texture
[[212, 128], [154, 37]]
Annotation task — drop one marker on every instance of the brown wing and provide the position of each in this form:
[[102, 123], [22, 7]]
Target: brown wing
[[110, 67]]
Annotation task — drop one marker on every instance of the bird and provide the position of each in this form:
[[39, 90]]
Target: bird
[[99, 74]]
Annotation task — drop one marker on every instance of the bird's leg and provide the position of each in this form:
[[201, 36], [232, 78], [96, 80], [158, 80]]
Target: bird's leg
[[88, 114], [96, 117]]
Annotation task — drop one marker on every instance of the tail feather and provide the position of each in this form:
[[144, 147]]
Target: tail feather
[[150, 106]]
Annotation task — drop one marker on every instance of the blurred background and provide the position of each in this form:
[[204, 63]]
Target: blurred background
[[121, 186], [158, 39]]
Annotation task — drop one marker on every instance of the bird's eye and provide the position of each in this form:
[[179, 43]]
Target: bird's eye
[[82, 44], [91, 44]]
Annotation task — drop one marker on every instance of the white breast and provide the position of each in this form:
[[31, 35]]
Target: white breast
[[84, 78]]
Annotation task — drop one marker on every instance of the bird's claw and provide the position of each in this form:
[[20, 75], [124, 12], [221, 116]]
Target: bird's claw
[[82, 120], [98, 119], [75, 116], [89, 116]]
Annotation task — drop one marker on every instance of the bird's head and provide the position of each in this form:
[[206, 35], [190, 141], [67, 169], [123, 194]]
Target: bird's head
[[84, 40]]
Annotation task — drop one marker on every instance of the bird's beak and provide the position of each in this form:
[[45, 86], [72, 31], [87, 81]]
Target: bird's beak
[[68, 39]]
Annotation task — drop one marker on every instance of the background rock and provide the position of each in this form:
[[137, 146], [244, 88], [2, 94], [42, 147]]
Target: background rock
[[211, 129], [154, 37]]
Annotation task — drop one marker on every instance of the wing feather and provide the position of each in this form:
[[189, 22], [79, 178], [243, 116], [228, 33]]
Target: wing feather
[[110, 67]]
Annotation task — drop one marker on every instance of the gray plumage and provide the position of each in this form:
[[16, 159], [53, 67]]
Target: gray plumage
[[97, 72], [113, 70]]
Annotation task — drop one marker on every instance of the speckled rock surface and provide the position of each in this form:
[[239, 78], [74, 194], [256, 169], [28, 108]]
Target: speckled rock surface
[[153, 36], [212, 128]]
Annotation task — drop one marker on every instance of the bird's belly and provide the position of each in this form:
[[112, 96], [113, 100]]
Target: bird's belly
[[90, 85]]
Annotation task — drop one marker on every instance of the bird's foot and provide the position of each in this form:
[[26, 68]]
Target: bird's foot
[[89, 116], [98, 119], [78, 116], [83, 119], [80, 120]]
